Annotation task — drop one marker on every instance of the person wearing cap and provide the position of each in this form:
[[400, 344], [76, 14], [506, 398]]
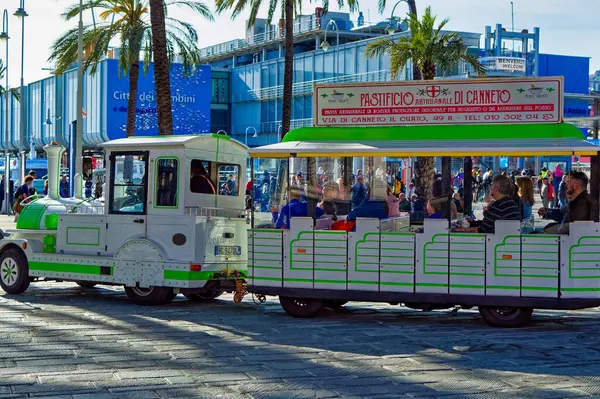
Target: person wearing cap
[[359, 191]]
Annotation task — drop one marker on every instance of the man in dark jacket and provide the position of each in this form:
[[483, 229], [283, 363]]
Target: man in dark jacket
[[578, 209]]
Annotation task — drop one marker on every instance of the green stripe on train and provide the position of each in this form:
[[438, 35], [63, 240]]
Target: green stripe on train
[[66, 268]]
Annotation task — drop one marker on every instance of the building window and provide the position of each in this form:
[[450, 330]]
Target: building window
[[219, 90], [129, 183], [167, 179], [200, 181], [229, 179]]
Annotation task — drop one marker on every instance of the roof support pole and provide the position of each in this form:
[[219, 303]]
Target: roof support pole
[[311, 187], [468, 186], [595, 186], [596, 121], [447, 185]]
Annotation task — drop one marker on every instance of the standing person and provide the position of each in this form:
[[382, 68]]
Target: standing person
[[2, 192], [88, 187], [97, 188], [525, 185], [63, 187], [393, 203], [544, 192], [562, 191], [46, 187], [403, 203], [359, 191], [398, 186], [21, 195]]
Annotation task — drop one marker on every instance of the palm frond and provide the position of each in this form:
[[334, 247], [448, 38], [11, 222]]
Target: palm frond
[[198, 7]]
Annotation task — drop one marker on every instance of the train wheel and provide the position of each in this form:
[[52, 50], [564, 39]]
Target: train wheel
[[506, 316], [204, 296], [300, 307], [335, 304], [14, 272], [86, 284], [150, 296]]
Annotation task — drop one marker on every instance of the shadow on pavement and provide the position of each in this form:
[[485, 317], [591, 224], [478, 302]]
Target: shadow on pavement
[[76, 341]]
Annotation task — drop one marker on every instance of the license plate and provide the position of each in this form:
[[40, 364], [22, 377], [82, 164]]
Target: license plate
[[224, 250]]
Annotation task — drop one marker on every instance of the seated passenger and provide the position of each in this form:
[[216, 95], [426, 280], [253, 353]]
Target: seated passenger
[[435, 208], [377, 209], [502, 208], [375, 206], [458, 202], [359, 191], [200, 182], [403, 203], [328, 205], [525, 185], [294, 208], [578, 209], [437, 192]]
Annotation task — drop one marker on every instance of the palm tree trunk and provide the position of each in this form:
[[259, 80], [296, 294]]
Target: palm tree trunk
[[412, 8], [134, 73], [161, 68], [424, 177], [288, 68]]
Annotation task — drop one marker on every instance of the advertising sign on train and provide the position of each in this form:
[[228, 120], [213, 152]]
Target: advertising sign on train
[[439, 102]]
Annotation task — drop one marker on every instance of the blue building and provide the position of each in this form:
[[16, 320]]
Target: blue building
[[51, 106]]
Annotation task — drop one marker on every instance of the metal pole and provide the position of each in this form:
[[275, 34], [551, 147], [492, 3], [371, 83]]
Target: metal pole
[[79, 133], [7, 193], [22, 144], [512, 17]]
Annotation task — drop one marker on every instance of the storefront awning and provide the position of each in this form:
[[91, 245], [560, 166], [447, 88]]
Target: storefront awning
[[452, 140]]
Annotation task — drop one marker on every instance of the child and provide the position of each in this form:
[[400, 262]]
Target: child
[[434, 209], [393, 204], [544, 193]]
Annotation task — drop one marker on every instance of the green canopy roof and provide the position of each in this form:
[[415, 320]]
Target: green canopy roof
[[447, 140], [436, 132]]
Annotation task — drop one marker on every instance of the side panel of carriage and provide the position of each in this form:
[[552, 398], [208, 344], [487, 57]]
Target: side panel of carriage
[[436, 261]]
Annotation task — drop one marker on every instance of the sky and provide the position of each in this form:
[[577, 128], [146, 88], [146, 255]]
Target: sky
[[567, 27]]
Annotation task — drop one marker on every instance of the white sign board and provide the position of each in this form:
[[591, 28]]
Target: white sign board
[[437, 102], [504, 64]]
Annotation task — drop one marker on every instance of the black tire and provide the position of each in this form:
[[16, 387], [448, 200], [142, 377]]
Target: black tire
[[204, 296], [14, 271], [86, 284], [506, 316], [301, 307], [150, 296], [335, 304]]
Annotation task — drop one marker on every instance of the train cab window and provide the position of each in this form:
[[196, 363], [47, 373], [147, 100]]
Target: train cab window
[[229, 179], [200, 181], [167, 179], [129, 183]]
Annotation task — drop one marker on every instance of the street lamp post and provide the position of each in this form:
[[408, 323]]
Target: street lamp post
[[21, 14], [4, 37], [392, 26], [325, 45], [77, 147], [254, 135]]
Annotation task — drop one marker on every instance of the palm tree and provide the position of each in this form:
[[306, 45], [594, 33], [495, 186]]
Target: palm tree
[[161, 67], [14, 91], [129, 23], [289, 9], [429, 49]]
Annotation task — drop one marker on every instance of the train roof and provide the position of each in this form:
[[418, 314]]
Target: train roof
[[176, 141], [431, 140]]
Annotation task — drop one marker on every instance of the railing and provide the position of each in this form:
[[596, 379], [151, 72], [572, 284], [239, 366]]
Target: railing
[[216, 212], [307, 87], [304, 24], [273, 127]]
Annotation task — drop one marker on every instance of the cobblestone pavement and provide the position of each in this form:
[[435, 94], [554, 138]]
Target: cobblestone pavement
[[62, 341]]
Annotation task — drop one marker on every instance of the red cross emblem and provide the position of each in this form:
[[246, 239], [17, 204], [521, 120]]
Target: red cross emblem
[[433, 91]]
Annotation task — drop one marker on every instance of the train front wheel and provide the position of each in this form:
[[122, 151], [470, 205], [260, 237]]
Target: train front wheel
[[506, 316]]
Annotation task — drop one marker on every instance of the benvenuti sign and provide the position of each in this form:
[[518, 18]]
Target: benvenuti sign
[[439, 102], [190, 101]]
